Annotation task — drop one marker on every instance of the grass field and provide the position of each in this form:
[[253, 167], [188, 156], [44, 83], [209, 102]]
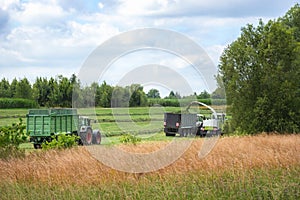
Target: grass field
[[248, 167]]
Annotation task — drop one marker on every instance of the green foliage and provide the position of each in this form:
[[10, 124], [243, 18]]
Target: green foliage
[[10, 139], [17, 103], [130, 138], [153, 93], [203, 95], [61, 141], [137, 96], [23, 89], [292, 20], [5, 91], [260, 71]]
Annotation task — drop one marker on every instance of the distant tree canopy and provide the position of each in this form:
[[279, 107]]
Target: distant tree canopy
[[261, 74], [153, 93], [63, 92]]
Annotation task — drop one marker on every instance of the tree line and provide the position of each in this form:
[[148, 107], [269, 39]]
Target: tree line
[[62, 92]]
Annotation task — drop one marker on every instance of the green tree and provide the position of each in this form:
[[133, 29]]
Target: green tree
[[53, 93], [219, 93], [138, 96], [260, 71], [292, 20], [204, 95], [153, 93], [23, 89], [41, 91], [5, 89], [120, 97], [13, 88], [64, 92], [105, 92], [173, 95]]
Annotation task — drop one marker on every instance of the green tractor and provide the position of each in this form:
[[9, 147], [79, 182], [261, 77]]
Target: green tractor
[[43, 124]]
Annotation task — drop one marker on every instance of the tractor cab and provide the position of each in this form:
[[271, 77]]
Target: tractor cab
[[84, 121]]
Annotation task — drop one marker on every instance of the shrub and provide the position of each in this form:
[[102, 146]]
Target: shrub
[[10, 139], [61, 141], [130, 138], [17, 103]]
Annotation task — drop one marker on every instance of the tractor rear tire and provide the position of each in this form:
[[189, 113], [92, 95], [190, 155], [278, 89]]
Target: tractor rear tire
[[86, 137], [96, 137]]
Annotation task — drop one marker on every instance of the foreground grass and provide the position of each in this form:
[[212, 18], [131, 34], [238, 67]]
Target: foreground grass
[[275, 183], [249, 167]]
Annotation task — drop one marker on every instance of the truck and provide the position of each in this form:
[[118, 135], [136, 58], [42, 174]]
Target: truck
[[186, 124], [43, 124]]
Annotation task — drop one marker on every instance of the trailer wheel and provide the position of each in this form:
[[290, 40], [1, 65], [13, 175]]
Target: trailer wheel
[[96, 137], [37, 146], [86, 137]]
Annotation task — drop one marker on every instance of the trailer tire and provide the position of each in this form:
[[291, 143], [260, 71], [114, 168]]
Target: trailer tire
[[96, 137]]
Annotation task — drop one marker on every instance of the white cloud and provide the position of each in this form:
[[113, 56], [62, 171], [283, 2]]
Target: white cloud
[[6, 4], [40, 14], [100, 5]]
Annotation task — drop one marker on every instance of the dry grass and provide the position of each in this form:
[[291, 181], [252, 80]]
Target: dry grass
[[76, 166]]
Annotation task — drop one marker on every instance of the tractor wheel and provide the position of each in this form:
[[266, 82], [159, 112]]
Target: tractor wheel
[[86, 137], [96, 137]]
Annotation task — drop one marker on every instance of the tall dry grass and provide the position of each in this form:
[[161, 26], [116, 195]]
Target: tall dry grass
[[76, 166]]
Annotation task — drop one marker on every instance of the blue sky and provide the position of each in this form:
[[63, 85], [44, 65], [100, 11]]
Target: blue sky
[[51, 37]]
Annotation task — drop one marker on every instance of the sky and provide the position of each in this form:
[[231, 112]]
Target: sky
[[47, 38]]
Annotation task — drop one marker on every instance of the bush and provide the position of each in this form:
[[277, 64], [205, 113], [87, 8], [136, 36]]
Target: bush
[[61, 141], [129, 138], [10, 139], [17, 103]]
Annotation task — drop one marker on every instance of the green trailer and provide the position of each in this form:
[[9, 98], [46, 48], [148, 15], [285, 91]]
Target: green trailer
[[42, 124]]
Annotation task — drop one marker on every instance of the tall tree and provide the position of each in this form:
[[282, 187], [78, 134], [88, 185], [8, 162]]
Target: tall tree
[[204, 95], [153, 93], [5, 89], [105, 92], [23, 89], [138, 96], [13, 88], [260, 72], [41, 91]]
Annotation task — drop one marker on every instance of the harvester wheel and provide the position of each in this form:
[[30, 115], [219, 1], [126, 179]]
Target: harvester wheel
[[86, 137], [96, 137]]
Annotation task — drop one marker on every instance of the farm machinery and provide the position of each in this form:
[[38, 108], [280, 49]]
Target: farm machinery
[[43, 124], [193, 124]]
